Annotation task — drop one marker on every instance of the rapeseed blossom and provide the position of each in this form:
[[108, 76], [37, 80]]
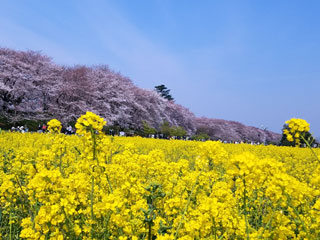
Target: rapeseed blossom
[[54, 126], [89, 122], [295, 129], [54, 187]]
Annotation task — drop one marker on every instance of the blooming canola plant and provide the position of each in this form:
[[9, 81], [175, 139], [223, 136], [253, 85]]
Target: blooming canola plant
[[93, 186]]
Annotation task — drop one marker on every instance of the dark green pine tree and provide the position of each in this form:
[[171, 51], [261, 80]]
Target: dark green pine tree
[[164, 92]]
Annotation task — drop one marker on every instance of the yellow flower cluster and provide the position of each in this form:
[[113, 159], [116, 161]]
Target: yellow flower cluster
[[89, 122], [54, 187], [295, 128], [54, 126]]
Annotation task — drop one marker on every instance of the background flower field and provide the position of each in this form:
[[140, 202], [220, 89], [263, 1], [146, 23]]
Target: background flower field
[[54, 186]]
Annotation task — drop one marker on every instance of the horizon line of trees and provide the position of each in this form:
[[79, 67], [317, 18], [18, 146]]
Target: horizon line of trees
[[145, 130], [165, 130], [33, 87]]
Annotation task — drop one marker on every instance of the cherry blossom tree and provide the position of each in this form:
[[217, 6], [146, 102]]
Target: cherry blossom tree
[[33, 87]]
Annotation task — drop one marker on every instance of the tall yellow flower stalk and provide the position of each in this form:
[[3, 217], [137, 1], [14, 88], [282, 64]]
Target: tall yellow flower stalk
[[296, 129], [89, 122], [54, 126], [89, 125]]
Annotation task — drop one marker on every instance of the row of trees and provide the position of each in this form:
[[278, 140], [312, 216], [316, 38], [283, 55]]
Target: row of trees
[[165, 129], [33, 87]]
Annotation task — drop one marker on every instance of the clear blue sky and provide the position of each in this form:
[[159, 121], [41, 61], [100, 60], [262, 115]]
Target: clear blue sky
[[256, 62]]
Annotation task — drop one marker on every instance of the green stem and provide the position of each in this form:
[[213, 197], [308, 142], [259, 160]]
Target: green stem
[[25, 199], [310, 147], [150, 231], [298, 215], [94, 147], [215, 229], [245, 208], [109, 183], [91, 204], [10, 216], [60, 166], [267, 225], [186, 208], [68, 219]]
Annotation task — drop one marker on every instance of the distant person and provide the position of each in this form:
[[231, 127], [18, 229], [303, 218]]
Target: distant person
[[44, 128], [111, 132], [69, 130], [39, 128]]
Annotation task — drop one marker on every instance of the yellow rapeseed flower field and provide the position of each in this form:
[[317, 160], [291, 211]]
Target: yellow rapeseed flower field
[[93, 186]]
